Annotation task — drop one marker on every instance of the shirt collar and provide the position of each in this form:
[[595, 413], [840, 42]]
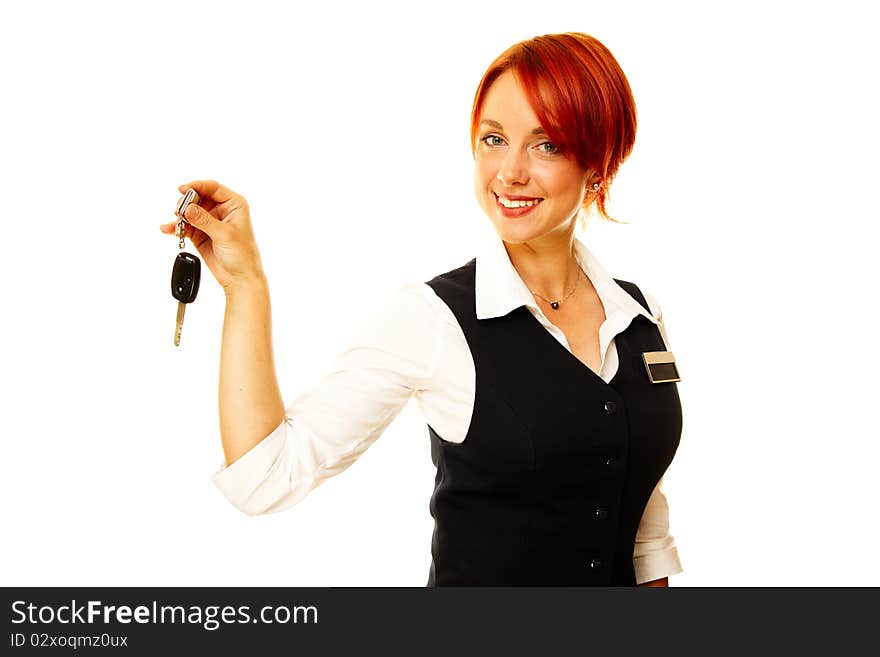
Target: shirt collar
[[499, 288]]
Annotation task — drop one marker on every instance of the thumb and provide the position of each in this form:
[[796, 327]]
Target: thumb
[[201, 219]]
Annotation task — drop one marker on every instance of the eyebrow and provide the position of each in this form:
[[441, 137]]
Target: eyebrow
[[495, 124]]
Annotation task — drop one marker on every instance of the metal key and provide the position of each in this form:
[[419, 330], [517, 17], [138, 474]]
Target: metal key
[[187, 267], [184, 286]]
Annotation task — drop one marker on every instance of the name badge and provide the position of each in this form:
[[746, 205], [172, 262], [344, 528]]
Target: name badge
[[661, 366]]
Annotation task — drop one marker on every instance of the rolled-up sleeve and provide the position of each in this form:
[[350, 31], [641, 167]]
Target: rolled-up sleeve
[[328, 426], [655, 554]]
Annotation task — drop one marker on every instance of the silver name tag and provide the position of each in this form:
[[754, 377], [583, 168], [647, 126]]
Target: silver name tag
[[660, 366]]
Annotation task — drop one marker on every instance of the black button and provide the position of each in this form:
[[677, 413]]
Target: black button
[[610, 460], [595, 564], [610, 408], [601, 512]]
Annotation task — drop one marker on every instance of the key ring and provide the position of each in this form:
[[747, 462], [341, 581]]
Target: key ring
[[190, 196]]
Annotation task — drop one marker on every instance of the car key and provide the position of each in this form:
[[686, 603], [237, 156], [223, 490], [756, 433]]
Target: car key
[[184, 286], [187, 267]]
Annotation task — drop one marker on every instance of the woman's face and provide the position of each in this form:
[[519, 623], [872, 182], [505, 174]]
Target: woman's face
[[514, 158]]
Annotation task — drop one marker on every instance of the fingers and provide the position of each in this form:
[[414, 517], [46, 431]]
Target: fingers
[[203, 220], [171, 228], [211, 189]]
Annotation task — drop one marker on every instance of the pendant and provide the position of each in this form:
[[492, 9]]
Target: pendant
[[554, 305]]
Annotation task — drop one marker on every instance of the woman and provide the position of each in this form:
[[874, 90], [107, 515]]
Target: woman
[[549, 436]]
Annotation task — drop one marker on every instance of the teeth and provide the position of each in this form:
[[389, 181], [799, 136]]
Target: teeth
[[516, 204]]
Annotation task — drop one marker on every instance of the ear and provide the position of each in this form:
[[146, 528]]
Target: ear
[[592, 183]]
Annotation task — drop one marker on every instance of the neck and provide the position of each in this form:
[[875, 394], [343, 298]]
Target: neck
[[547, 266]]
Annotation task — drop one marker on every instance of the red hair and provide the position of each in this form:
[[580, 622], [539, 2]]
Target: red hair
[[581, 97]]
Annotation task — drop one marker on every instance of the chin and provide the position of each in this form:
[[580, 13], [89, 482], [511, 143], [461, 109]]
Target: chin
[[515, 233]]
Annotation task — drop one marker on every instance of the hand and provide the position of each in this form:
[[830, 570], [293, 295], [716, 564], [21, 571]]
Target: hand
[[220, 229]]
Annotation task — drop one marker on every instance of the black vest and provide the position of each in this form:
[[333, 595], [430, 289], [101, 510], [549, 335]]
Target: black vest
[[550, 483]]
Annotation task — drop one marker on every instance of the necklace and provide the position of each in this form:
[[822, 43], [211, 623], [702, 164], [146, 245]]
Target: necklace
[[555, 304]]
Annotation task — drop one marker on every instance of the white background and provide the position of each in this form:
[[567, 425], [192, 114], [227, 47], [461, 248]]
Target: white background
[[345, 125]]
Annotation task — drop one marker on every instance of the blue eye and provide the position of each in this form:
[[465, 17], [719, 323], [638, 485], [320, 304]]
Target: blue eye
[[553, 150]]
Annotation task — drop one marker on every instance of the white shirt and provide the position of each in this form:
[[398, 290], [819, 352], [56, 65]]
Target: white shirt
[[415, 347]]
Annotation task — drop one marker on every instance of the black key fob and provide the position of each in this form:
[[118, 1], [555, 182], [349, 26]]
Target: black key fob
[[185, 277]]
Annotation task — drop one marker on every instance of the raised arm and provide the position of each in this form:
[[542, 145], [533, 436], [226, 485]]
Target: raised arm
[[250, 401], [330, 424]]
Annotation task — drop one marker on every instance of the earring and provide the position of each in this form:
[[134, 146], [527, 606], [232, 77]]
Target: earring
[[595, 186]]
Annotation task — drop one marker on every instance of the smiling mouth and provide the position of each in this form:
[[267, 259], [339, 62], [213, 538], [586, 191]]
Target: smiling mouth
[[512, 205]]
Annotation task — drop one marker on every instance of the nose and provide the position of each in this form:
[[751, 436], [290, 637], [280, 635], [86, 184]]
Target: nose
[[513, 169]]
